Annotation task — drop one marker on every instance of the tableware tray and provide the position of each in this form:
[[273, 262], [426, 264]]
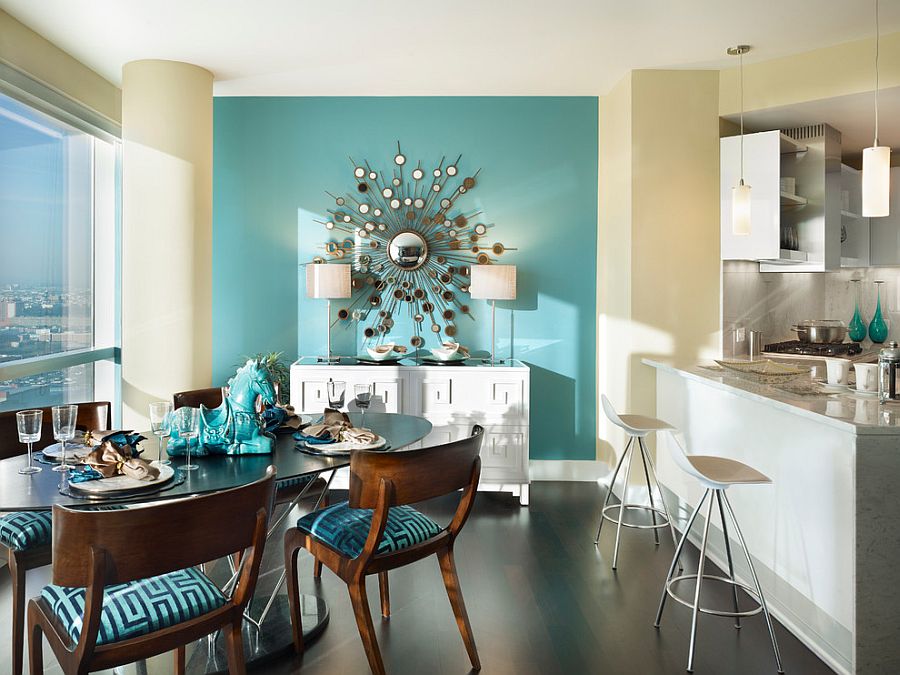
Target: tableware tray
[[120, 486], [340, 449], [765, 371]]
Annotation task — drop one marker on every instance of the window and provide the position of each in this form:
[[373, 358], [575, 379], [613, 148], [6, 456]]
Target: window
[[59, 196]]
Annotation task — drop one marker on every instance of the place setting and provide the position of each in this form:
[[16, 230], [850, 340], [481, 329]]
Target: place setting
[[334, 434]]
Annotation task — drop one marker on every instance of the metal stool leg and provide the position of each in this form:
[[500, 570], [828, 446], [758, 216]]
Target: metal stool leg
[[678, 550], [762, 600], [649, 489], [737, 618], [612, 484], [662, 498], [696, 611], [622, 507]]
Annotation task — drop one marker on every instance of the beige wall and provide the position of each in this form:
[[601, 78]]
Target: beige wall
[[166, 233], [658, 242], [24, 49], [823, 73]]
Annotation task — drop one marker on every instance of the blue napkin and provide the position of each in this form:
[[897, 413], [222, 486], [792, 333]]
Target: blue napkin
[[121, 438], [312, 440], [83, 474], [273, 417]]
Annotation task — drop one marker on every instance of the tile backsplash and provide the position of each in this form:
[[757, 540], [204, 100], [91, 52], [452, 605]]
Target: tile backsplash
[[772, 302]]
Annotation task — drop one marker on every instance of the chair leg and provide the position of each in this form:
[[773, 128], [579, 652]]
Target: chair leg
[[612, 484], [734, 593], [323, 502], [317, 569], [762, 599], [360, 602], [662, 498], [291, 551], [678, 550], [649, 489], [234, 644], [622, 507], [695, 613], [179, 660], [17, 574], [384, 590], [35, 645], [454, 592]]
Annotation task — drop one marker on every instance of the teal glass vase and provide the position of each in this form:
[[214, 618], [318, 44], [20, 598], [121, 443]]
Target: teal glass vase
[[856, 330], [878, 330]]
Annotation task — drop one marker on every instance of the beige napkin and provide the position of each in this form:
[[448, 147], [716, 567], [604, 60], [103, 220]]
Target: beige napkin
[[109, 460], [337, 425]]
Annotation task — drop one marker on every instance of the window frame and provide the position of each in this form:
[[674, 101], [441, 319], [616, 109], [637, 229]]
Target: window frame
[[46, 99]]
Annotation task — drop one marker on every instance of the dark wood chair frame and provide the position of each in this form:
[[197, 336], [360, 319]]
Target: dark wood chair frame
[[379, 481], [91, 416], [97, 549]]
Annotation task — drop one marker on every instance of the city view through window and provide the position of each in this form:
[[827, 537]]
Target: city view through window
[[47, 223]]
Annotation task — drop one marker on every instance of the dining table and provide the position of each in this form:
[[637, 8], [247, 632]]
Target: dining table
[[268, 635]]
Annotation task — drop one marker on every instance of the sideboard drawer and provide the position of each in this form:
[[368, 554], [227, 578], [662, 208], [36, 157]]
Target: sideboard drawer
[[313, 396], [437, 395], [503, 448]]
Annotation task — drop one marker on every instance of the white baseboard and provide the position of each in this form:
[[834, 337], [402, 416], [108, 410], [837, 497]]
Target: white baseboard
[[568, 470]]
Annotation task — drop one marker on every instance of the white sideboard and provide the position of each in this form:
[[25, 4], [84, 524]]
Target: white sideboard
[[452, 398]]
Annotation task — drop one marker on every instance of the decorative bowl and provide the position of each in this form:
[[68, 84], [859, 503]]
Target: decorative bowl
[[450, 351], [382, 352]]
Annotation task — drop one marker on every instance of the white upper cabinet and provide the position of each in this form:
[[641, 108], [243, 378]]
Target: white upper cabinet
[[854, 228], [885, 231]]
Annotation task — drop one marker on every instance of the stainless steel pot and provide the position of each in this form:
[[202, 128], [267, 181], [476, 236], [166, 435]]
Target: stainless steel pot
[[820, 331]]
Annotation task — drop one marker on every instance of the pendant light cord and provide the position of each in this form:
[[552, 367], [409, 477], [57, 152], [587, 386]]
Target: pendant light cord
[[742, 112], [877, 35]]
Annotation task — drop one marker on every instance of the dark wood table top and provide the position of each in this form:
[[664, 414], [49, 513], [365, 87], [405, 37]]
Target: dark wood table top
[[40, 491]]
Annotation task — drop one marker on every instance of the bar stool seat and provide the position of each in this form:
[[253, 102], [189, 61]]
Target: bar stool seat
[[637, 427], [716, 474]]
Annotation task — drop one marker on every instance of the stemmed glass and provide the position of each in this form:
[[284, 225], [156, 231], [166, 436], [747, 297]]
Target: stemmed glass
[[28, 424], [336, 392], [187, 421], [64, 417], [363, 393], [161, 425]]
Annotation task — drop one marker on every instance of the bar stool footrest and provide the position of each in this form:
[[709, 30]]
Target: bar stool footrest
[[715, 612], [663, 521]]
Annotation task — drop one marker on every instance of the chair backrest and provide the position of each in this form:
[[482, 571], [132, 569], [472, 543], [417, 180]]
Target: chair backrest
[[211, 398], [91, 416], [416, 475], [151, 540], [610, 411], [679, 454]]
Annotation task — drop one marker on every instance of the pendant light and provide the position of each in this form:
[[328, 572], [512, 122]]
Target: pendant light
[[876, 173], [740, 193]]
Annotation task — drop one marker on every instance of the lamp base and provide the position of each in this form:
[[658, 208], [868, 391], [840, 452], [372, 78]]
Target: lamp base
[[492, 362], [331, 360]]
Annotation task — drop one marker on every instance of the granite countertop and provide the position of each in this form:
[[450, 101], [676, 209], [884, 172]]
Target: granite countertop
[[847, 411]]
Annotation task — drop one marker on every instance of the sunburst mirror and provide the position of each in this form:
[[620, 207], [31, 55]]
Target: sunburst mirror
[[410, 244]]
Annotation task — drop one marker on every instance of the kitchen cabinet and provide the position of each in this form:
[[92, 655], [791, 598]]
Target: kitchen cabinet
[[855, 240], [452, 398], [885, 232]]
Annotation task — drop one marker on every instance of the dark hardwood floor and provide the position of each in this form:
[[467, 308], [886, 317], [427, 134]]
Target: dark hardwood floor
[[541, 598]]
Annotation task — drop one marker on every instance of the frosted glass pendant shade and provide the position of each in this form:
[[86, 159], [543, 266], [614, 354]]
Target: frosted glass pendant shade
[[328, 281], [740, 209], [876, 181]]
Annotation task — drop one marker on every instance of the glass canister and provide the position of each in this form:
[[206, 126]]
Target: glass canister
[[888, 364]]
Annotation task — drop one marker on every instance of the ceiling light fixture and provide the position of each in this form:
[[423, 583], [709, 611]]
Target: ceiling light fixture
[[876, 173], [740, 193]]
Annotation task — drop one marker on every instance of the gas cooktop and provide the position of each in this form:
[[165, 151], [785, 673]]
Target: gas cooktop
[[808, 349]]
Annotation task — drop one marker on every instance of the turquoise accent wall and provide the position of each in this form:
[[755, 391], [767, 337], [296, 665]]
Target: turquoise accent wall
[[274, 158]]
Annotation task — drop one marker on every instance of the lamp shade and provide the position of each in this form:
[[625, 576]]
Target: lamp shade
[[328, 281], [493, 282], [740, 209], [876, 181]]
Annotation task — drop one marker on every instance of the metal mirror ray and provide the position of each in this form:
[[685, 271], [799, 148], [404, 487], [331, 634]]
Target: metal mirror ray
[[410, 244]]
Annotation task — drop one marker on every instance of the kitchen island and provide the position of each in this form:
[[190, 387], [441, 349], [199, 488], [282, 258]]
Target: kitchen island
[[826, 535]]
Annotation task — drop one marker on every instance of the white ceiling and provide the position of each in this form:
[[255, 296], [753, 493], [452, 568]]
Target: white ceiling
[[424, 47]]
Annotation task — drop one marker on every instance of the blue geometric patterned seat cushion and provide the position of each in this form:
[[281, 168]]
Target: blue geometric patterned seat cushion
[[138, 607], [25, 529], [346, 529]]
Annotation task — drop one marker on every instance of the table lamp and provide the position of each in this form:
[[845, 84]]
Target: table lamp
[[328, 281], [493, 282]]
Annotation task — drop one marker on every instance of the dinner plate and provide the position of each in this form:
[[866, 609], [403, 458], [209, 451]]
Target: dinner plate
[[73, 451], [119, 485], [343, 448], [834, 387], [863, 394]]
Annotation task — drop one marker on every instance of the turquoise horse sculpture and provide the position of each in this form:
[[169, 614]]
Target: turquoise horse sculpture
[[236, 427]]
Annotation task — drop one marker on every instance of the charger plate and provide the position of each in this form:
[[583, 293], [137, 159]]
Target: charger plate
[[121, 486], [340, 449], [74, 451]]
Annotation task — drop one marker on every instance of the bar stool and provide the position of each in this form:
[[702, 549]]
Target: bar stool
[[637, 427], [716, 474]]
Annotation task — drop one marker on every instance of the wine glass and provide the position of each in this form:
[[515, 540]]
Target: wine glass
[[336, 392], [363, 394], [187, 422], [64, 417], [28, 424], [161, 425]]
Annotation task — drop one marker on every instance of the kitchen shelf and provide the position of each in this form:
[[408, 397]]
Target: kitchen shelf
[[789, 146], [851, 216], [788, 257], [789, 200], [853, 262]]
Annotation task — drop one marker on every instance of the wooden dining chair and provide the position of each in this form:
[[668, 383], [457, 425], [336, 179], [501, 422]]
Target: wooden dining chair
[[126, 585], [211, 397], [25, 535], [377, 530]]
